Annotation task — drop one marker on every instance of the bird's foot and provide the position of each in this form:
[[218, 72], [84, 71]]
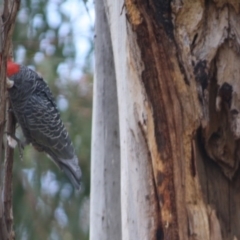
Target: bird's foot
[[13, 141]]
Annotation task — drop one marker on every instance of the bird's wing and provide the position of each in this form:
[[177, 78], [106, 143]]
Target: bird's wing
[[44, 124], [48, 132]]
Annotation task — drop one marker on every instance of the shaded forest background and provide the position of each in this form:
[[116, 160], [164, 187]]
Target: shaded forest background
[[47, 38]]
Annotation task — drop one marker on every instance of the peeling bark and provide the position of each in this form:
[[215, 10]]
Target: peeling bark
[[177, 72], [211, 56]]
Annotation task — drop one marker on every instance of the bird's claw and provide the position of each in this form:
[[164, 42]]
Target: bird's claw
[[13, 141]]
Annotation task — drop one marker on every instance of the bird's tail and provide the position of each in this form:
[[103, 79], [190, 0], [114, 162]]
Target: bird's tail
[[72, 170]]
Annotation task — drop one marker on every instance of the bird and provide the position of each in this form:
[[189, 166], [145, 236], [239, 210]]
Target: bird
[[35, 109]]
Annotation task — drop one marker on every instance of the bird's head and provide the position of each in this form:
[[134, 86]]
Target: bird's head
[[12, 68]]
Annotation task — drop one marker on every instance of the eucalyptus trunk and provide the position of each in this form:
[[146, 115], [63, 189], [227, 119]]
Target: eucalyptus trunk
[[176, 69]]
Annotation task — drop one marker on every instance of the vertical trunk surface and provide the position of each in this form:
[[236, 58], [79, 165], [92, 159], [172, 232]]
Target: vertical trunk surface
[[105, 169], [177, 72]]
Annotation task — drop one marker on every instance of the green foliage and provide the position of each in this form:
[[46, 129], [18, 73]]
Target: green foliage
[[45, 205]]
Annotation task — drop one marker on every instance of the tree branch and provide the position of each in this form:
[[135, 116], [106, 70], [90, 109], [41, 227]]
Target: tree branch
[[7, 21], [9, 154]]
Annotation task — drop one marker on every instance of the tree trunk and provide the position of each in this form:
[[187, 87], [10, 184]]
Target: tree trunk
[[177, 70], [105, 169]]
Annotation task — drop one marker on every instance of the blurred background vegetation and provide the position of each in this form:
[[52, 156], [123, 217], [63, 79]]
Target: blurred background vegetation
[[55, 38]]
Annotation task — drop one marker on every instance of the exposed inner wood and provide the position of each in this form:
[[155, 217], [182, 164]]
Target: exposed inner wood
[[190, 50]]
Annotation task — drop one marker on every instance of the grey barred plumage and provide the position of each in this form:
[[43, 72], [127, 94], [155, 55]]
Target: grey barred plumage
[[36, 111]]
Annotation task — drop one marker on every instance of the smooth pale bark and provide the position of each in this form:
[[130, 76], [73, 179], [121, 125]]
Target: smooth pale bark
[[105, 213], [138, 200]]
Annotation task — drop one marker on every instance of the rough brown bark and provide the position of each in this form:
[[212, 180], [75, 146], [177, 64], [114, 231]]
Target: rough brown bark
[[190, 52], [8, 16]]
